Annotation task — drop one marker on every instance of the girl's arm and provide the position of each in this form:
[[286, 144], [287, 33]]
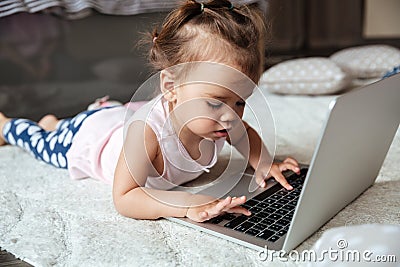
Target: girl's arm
[[133, 200], [251, 146]]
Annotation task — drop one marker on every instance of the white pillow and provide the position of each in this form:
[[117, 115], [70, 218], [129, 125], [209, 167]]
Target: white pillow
[[311, 76], [367, 61]]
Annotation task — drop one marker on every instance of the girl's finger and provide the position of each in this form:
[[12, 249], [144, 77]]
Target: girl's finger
[[289, 166], [260, 180], [240, 210], [281, 179], [235, 202], [238, 201], [292, 161], [220, 206], [203, 215]]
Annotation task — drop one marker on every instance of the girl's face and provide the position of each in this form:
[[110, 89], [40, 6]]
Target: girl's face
[[207, 98], [207, 110]]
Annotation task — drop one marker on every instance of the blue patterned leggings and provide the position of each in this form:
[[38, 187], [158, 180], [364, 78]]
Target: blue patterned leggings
[[48, 146]]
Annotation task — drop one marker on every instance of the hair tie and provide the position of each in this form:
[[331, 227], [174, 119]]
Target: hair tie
[[154, 39], [201, 7], [231, 7]]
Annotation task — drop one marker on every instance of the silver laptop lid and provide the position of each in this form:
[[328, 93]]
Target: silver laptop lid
[[350, 153]]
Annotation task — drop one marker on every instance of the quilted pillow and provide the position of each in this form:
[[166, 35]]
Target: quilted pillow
[[368, 61], [310, 76]]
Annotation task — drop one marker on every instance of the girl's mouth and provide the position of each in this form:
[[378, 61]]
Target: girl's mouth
[[221, 133]]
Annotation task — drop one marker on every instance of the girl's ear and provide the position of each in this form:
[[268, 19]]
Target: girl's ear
[[167, 84]]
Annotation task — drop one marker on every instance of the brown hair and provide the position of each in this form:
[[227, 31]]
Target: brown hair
[[211, 31]]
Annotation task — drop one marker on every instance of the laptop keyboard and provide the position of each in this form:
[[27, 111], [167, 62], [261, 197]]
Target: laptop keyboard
[[271, 211]]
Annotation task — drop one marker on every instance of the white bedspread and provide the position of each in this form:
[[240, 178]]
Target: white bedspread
[[48, 219]]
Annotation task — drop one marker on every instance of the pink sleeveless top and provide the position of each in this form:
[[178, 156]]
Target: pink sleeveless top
[[96, 146]]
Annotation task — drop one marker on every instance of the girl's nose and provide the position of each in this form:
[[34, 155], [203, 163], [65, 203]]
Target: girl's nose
[[228, 115]]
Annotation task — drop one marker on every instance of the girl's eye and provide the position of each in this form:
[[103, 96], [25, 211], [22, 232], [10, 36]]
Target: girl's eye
[[214, 105]]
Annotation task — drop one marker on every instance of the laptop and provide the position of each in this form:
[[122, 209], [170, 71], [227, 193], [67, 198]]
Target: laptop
[[358, 132]]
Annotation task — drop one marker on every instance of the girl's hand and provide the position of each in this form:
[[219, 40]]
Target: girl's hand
[[276, 172], [205, 212]]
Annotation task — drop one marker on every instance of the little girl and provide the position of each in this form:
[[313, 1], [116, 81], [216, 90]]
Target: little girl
[[175, 137]]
